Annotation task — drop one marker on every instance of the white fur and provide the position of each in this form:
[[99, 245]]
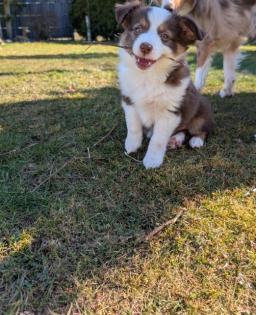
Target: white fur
[[134, 129], [230, 64], [201, 74], [196, 142], [153, 99]]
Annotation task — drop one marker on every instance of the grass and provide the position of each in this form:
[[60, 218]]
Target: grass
[[71, 217]]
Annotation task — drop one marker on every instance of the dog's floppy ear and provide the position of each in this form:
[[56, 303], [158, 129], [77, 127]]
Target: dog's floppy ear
[[124, 12], [190, 32]]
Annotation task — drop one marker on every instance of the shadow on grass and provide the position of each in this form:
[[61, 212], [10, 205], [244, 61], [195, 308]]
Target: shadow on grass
[[83, 214], [60, 56], [51, 71]]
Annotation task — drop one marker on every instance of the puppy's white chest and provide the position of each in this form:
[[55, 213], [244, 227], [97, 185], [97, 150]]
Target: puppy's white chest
[[151, 95]]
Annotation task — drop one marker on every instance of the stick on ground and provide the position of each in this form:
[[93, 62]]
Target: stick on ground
[[106, 136], [53, 174], [157, 230]]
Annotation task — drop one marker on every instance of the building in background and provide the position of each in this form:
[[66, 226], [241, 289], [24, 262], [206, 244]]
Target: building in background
[[35, 19]]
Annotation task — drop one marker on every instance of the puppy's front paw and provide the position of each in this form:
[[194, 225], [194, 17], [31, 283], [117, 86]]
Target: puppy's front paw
[[153, 161], [132, 143]]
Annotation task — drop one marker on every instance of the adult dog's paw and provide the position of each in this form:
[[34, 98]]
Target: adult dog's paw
[[226, 93]]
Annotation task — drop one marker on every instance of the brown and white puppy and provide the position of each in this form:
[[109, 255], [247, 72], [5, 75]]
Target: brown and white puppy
[[157, 92], [226, 23]]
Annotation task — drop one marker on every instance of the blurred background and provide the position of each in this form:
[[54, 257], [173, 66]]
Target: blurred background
[[33, 20]]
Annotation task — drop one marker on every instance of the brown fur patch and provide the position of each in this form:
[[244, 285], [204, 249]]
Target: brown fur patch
[[196, 114], [177, 75], [182, 31], [127, 100]]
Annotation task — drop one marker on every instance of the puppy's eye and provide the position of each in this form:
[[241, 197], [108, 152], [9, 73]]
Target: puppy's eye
[[138, 29], [165, 37]]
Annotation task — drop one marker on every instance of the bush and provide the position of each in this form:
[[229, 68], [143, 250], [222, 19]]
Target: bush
[[101, 14]]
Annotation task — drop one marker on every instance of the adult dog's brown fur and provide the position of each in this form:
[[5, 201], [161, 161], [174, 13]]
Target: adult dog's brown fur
[[225, 23]]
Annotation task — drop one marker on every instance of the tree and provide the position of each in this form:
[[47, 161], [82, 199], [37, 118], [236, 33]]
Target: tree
[[7, 16], [9, 11], [101, 16]]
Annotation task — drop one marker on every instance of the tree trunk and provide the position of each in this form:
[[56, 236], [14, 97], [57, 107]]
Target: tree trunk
[[8, 19], [1, 33]]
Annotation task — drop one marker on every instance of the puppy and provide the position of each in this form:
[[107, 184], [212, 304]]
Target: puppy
[[226, 23], [157, 92]]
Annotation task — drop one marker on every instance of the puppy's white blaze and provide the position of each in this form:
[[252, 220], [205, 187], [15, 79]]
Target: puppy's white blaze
[[156, 17], [196, 142]]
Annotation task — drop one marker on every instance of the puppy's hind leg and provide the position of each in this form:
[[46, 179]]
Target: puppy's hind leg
[[199, 130], [230, 63], [176, 141]]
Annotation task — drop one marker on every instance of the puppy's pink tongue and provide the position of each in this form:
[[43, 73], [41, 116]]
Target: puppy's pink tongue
[[144, 64]]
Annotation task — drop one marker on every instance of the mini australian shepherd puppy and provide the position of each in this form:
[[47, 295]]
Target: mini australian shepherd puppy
[[157, 92]]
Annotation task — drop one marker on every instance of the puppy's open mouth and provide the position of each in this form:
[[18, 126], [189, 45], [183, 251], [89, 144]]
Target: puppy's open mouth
[[143, 63]]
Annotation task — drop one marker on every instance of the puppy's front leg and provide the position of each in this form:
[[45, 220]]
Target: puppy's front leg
[[134, 129], [162, 132]]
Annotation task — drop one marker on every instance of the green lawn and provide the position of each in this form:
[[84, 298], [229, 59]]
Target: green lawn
[[74, 210]]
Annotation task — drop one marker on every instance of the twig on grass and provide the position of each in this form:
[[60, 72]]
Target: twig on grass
[[89, 157], [53, 174], [19, 149], [106, 136], [157, 230], [132, 158]]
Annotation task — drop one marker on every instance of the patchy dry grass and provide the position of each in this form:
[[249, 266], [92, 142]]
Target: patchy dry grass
[[71, 217]]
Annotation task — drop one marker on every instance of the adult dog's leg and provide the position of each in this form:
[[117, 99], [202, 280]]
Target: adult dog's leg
[[204, 59], [229, 72]]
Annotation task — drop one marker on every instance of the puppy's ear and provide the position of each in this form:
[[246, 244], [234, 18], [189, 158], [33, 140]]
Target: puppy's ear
[[190, 32], [124, 12]]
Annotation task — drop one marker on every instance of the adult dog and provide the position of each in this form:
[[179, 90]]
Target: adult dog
[[225, 23]]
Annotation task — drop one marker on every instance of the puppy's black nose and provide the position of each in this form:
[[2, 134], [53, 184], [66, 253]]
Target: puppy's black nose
[[146, 48]]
